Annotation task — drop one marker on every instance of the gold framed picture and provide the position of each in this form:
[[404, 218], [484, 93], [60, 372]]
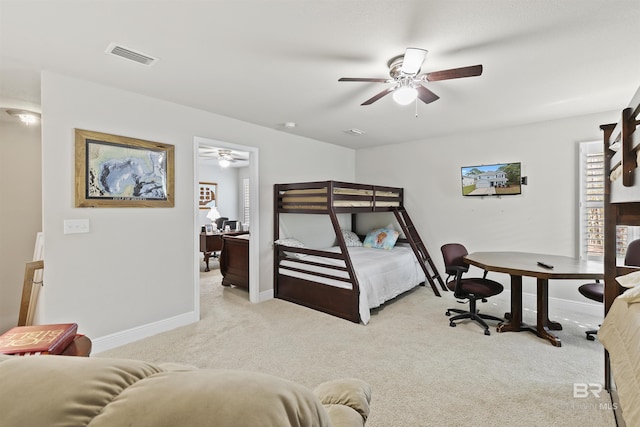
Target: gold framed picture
[[207, 195], [118, 171]]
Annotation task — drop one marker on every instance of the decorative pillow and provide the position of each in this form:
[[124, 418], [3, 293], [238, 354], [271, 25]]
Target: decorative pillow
[[293, 243], [382, 238], [629, 280], [631, 295], [351, 239]]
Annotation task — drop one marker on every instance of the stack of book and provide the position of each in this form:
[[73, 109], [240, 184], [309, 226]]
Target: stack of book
[[38, 339]]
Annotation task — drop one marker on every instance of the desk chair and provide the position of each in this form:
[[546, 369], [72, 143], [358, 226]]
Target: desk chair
[[220, 221], [595, 290], [471, 289]]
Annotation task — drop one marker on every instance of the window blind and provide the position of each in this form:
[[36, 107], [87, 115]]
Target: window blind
[[245, 201]]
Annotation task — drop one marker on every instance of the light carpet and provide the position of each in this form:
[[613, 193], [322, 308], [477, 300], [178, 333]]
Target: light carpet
[[422, 372]]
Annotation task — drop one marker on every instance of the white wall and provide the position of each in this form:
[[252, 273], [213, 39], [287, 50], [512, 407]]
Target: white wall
[[20, 210], [134, 274], [543, 219]]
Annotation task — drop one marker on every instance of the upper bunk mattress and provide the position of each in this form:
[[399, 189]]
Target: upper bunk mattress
[[318, 198]]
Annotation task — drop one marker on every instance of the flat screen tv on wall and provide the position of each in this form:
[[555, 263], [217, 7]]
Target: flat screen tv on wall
[[499, 179]]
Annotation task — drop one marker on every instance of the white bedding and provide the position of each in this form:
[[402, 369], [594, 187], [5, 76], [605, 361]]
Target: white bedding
[[620, 335], [382, 275]]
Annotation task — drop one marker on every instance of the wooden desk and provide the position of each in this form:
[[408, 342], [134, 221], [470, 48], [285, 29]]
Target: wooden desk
[[212, 243], [519, 264]]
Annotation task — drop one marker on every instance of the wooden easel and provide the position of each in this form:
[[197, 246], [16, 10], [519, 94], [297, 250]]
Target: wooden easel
[[30, 291], [27, 304]]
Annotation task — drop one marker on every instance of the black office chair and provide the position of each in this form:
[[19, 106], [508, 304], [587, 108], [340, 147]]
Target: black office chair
[[595, 290], [220, 221], [472, 289]]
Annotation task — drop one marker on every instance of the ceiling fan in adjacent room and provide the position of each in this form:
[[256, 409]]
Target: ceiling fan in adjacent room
[[406, 80], [224, 156]]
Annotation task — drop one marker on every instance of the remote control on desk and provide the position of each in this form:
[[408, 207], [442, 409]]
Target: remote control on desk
[[542, 264]]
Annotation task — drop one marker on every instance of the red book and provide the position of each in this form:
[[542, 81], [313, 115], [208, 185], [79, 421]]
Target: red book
[[38, 339]]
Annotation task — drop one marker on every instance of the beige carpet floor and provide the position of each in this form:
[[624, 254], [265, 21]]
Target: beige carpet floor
[[422, 372]]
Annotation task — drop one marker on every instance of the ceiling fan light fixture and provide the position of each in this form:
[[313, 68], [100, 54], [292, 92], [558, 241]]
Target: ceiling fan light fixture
[[405, 95], [224, 163]]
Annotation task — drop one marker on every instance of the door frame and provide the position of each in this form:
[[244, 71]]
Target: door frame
[[254, 185]]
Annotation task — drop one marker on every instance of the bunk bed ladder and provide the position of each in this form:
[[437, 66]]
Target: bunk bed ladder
[[419, 249]]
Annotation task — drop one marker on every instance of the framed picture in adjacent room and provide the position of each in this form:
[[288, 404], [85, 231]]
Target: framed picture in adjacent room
[[207, 195]]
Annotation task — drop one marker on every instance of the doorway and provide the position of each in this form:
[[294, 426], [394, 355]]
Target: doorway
[[237, 167]]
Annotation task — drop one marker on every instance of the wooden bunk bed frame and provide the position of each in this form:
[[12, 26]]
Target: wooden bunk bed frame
[[622, 206], [332, 198]]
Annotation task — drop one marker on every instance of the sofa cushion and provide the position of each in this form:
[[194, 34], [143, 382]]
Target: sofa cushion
[[97, 392], [223, 398], [348, 392], [63, 390]]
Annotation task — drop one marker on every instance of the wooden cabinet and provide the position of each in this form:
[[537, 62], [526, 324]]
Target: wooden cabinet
[[234, 261]]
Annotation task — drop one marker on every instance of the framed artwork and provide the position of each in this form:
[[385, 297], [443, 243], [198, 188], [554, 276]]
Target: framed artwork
[[208, 229], [118, 171], [207, 193]]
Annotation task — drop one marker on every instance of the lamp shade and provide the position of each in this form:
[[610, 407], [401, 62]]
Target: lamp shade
[[213, 214]]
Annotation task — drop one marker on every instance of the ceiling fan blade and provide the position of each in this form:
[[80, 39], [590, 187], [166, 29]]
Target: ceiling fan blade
[[454, 73], [412, 61], [362, 79], [378, 96], [426, 95]]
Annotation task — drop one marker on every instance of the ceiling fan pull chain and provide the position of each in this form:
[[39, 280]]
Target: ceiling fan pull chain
[[416, 108]]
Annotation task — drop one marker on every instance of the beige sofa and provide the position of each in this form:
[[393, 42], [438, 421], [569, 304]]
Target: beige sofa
[[97, 392]]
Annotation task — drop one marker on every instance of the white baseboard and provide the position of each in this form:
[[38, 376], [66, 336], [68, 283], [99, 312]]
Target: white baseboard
[[265, 295], [134, 334]]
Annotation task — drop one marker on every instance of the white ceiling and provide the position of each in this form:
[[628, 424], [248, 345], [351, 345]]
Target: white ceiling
[[274, 61]]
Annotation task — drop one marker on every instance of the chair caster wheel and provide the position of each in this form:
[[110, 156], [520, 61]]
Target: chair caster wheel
[[591, 338], [453, 325], [486, 332], [448, 313]]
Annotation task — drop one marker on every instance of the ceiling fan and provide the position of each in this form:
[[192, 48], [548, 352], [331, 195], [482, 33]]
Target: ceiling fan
[[407, 81], [224, 156]]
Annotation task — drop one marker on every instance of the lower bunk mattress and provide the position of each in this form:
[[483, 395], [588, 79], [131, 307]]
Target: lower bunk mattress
[[620, 335], [382, 274]]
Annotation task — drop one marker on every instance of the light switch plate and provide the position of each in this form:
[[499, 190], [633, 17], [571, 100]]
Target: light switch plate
[[73, 226]]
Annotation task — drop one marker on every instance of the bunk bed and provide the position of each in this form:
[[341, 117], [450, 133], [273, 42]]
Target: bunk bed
[[347, 280], [620, 331]]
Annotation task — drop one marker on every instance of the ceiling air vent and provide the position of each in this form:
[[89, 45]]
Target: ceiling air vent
[[131, 55]]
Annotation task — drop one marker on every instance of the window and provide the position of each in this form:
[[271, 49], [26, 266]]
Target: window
[[592, 206], [591, 200], [245, 201]]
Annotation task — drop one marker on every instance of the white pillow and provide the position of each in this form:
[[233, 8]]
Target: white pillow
[[629, 280], [293, 243], [289, 241], [351, 239], [631, 295]]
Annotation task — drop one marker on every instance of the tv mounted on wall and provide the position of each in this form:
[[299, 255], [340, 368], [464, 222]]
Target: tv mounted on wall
[[499, 179]]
